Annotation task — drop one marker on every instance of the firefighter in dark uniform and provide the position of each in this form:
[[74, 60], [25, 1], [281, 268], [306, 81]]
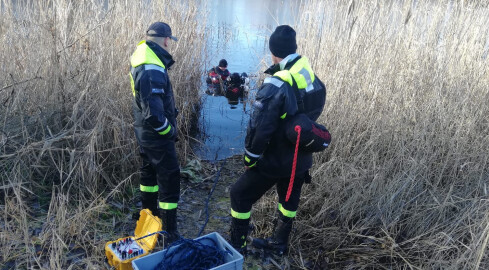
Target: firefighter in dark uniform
[[156, 126], [293, 88]]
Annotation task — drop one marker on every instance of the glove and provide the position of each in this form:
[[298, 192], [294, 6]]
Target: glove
[[249, 161]]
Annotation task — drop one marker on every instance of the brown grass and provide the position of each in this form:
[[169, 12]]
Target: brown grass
[[404, 184], [67, 142]]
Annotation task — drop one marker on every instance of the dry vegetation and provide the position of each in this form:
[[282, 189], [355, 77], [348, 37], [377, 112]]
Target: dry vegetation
[[405, 183], [67, 143]]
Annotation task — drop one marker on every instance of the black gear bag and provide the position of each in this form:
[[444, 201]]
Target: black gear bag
[[314, 137]]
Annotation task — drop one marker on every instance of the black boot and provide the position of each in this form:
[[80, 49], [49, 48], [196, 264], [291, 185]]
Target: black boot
[[279, 241], [169, 221], [239, 233], [148, 201]]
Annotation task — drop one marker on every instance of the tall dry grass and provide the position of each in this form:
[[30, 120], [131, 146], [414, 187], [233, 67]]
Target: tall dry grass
[[405, 183], [67, 143]]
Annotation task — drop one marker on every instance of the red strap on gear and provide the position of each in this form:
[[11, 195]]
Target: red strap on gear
[[294, 163]]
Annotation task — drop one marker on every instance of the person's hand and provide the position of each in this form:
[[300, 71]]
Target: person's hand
[[249, 161]]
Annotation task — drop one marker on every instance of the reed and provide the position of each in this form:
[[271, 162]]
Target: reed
[[67, 145], [403, 186]]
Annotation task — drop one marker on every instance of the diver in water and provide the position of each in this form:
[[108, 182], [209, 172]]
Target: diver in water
[[234, 90], [238, 84], [235, 84], [222, 69], [215, 85], [237, 88], [218, 78], [212, 77]]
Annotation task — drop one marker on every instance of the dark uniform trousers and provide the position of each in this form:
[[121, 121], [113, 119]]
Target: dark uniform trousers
[[161, 168], [252, 185]]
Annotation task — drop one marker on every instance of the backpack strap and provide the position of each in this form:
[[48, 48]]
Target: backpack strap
[[298, 96]]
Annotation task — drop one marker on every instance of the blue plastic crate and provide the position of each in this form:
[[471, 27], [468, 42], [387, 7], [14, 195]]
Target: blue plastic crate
[[233, 260]]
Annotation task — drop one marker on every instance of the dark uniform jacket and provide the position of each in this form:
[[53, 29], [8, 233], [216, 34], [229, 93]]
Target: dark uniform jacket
[[154, 106], [276, 102]]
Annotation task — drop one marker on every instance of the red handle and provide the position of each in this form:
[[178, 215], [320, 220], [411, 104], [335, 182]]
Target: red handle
[[294, 163]]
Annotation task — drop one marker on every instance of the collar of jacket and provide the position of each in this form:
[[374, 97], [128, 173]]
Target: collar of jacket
[[286, 63], [164, 56]]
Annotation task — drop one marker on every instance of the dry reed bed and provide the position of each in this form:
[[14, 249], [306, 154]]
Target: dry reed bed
[[67, 119], [405, 183]]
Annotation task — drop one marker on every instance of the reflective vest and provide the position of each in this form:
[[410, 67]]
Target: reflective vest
[[143, 55], [302, 74]]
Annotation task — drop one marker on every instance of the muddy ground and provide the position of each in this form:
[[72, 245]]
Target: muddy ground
[[192, 210], [116, 221]]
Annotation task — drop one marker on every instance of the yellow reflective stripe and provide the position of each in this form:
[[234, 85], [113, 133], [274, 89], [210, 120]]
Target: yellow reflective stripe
[[300, 64], [300, 75], [286, 212], [144, 55], [148, 188], [284, 75], [164, 132], [240, 215], [300, 80], [244, 243], [132, 84], [283, 116], [249, 160], [167, 206]]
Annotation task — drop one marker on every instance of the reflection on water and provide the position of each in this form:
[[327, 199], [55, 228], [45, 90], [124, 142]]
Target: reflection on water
[[237, 31]]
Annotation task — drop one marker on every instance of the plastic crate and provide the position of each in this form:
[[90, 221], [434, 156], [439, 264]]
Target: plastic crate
[[233, 260]]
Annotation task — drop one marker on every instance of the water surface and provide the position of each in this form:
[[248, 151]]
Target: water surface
[[238, 32]]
